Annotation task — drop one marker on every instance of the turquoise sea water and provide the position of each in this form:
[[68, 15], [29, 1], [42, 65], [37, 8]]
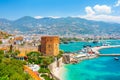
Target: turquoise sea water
[[76, 46], [101, 68], [110, 50]]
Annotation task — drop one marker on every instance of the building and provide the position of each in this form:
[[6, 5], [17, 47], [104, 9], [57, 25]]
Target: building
[[18, 40], [49, 45]]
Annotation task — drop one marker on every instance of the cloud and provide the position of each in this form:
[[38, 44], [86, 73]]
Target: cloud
[[38, 17], [54, 17], [98, 9], [89, 11], [118, 3], [102, 9], [106, 18], [100, 13]]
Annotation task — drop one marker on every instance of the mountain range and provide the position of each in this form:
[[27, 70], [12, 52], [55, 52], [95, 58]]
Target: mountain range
[[59, 26]]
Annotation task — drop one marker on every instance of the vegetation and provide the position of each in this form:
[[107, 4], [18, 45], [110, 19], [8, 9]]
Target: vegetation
[[0, 42], [43, 61], [12, 69], [69, 39], [88, 39], [34, 57], [60, 54], [1, 55], [46, 77], [44, 70], [11, 53], [37, 58]]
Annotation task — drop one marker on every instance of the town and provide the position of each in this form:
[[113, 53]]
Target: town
[[34, 54], [40, 56]]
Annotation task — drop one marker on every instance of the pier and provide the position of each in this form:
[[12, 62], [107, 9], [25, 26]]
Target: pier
[[96, 50], [108, 54]]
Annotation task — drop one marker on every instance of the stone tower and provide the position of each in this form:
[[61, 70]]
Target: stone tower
[[50, 45]]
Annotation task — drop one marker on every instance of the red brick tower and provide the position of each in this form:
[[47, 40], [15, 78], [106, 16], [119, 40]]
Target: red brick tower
[[50, 45]]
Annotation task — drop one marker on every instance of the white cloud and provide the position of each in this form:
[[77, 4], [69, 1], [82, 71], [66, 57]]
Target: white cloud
[[98, 9], [106, 18], [118, 3], [89, 11], [54, 17], [102, 9], [38, 17], [100, 13]]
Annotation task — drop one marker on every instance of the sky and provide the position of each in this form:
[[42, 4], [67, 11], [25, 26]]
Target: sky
[[100, 10]]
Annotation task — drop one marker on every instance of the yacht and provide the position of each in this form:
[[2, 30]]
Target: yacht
[[116, 58]]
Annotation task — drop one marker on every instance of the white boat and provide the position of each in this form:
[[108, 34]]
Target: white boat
[[116, 58]]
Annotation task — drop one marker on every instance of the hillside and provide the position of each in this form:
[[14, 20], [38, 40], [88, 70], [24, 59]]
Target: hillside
[[4, 35], [59, 26]]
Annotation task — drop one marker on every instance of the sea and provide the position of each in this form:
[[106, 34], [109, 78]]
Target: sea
[[101, 68]]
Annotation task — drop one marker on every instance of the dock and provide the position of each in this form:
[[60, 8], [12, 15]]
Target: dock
[[108, 54], [96, 50]]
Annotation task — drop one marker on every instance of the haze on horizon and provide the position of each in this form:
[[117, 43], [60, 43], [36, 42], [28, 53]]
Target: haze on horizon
[[100, 10]]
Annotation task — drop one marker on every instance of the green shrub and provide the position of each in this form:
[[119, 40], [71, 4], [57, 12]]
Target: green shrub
[[0, 42], [46, 77], [44, 70]]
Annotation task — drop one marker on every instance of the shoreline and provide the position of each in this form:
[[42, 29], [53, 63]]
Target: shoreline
[[57, 68], [57, 71]]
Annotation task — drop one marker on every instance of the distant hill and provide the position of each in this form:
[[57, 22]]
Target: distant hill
[[59, 26]]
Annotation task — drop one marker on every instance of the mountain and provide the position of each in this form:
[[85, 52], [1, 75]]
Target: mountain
[[59, 26], [4, 23]]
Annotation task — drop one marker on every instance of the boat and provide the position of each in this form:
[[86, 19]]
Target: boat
[[95, 41], [116, 58], [84, 46], [72, 41], [65, 42], [106, 44]]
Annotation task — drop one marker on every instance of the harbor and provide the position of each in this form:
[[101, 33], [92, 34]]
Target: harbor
[[75, 58], [89, 54]]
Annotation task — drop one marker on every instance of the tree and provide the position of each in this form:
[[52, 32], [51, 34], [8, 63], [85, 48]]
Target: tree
[[12, 54], [1, 55], [46, 77], [12, 69], [4, 78], [11, 48], [0, 42], [34, 57], [60, 54]]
